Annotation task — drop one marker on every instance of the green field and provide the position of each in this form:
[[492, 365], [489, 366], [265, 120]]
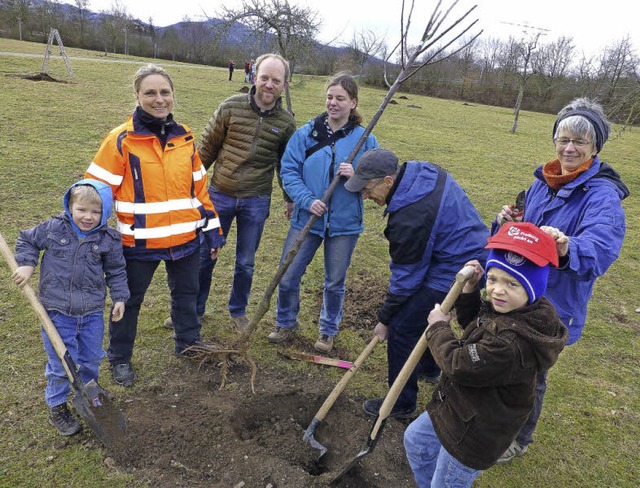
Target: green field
[[590, 428]]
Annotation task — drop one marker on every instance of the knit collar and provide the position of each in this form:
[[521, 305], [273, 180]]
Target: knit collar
[[552, 172], [152, 123]]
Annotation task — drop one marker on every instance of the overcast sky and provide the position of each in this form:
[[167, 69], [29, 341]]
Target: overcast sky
[[593, 25]]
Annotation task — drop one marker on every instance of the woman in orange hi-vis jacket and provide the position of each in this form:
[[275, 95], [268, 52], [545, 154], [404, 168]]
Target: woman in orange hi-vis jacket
[[162, 204]]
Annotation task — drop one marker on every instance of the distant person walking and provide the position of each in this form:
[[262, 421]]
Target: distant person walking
[[247, 70], [232, 66]]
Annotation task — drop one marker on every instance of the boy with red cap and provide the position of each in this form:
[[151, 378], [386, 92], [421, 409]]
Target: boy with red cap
[[488, 380]]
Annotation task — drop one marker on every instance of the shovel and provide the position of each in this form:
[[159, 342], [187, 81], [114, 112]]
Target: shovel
[[89, 399], [394, 392], [333, 396]]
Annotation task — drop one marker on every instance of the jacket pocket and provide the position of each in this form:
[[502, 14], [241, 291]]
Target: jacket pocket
[[59, 245], [458, 414]]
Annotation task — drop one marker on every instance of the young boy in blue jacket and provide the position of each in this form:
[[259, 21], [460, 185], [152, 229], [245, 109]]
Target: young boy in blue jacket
[[82, 256]]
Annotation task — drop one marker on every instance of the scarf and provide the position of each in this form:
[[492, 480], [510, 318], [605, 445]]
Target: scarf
[[552, 172]]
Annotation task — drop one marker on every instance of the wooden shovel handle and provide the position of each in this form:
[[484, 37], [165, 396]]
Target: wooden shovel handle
[[338, 389], [394, 392], [28, 291]]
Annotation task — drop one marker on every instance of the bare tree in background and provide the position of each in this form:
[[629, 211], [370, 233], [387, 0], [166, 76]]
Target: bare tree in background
[[114, 26], [18, 13], [293, 28], [587, 76], [552, 62], [83, 6], [616, 63], [199, 39], [623, 84], [523, 55], [364, 45]]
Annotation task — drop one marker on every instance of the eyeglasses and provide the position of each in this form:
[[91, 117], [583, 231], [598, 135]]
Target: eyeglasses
[[576, 142], [367, 191]]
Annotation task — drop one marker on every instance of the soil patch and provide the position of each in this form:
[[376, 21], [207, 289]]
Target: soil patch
[[184, 431], [38, 77]]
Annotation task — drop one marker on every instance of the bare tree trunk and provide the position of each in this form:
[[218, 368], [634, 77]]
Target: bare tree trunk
[[516, 110]]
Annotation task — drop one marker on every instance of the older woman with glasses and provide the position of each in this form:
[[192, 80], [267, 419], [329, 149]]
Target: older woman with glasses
[[314, 155], [577, 198]]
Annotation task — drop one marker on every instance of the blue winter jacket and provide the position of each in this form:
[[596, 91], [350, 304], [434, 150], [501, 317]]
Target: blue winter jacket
[[76, 267], [589, 211], [420, 258], [306, 180]]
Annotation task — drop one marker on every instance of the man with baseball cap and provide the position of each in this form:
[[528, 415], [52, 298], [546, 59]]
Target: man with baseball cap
[[489, 373], [433, 230]]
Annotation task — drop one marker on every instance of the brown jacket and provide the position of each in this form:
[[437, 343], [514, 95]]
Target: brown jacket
[[245, 145], [488, 375]]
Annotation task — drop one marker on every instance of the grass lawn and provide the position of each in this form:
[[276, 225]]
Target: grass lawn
[[590, 427]]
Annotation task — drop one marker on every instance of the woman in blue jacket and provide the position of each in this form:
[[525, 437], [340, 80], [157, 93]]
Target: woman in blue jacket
[[314, 155], [578, 200]]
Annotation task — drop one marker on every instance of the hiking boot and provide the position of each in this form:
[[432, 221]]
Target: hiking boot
[[63, 420], [241, 322], [324, 343], [123, 374], [372, 407], [515, 449], [168, 323], [196, 349], [280, 334]]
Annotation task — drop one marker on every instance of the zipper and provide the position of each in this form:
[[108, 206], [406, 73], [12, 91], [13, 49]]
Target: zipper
[[332, 168], [255, 138]]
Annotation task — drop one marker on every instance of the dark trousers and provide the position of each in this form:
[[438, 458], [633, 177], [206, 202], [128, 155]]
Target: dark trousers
[[183, 284], [405, 329], [525, 436]]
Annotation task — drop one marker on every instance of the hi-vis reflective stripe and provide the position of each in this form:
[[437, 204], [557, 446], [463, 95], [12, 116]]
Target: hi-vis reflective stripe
[[213, 224], [165, 231], [198, 175], [103, 174], [157, 207]]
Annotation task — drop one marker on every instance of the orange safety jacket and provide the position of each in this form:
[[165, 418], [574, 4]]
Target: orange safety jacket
[[160, 195]]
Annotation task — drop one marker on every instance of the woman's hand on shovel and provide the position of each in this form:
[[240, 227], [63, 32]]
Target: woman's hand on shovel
[[382, 331], [117, 312], [21, 275]]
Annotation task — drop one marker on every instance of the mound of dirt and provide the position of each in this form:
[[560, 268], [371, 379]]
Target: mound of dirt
[[41, 77], [184, 431]]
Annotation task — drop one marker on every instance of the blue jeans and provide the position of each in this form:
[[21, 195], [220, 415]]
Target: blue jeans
[[431, 464], [337, 256], [182, 277], [405, 330], [82, 336], [250, 213]]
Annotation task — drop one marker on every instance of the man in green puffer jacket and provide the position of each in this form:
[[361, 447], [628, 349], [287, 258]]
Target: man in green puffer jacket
[[244, 142]]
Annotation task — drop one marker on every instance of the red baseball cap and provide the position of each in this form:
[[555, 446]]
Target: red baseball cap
[[527, 240]]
